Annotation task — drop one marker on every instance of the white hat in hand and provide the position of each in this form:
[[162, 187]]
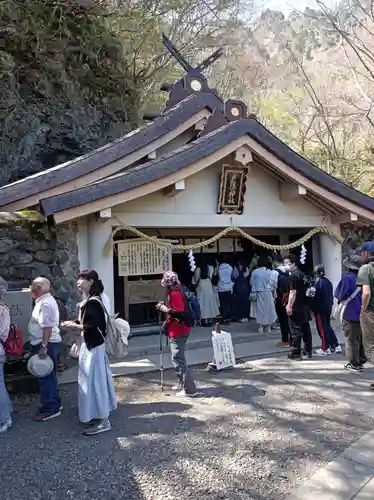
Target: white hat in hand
[[40, 367]]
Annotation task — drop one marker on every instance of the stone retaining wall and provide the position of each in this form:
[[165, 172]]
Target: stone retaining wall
[[29, 250]]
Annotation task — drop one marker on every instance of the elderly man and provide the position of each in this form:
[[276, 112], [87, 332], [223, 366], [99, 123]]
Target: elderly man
[[45, 338]]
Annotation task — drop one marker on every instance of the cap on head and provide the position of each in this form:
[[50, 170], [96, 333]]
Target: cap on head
[[368, 246], [170, 278]]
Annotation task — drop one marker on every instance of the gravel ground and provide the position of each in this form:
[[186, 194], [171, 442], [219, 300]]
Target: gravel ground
[[250, 436]]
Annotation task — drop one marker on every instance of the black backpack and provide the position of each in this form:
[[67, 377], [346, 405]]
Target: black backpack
[[192, 312], [283, 282]]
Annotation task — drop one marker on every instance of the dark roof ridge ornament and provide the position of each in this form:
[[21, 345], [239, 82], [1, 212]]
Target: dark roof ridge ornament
[[193, 81], [168, 44]]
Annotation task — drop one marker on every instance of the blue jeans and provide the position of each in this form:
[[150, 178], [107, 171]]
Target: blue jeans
[[5, 405], [48, 386]]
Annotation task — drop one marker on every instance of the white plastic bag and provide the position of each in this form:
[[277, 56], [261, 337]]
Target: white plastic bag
[[75, 348]]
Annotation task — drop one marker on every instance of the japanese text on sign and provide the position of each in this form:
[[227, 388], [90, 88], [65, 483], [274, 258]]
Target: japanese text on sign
[[232, 189], [223, 350], [141, 258]]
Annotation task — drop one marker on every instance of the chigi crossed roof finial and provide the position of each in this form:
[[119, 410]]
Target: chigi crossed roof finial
[[193, 80], [184, 63]]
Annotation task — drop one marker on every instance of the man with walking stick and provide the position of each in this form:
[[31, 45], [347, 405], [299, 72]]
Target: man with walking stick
[[177, 328]]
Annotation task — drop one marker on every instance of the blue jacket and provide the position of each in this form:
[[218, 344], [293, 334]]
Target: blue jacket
[[346, 287], [324, 298]]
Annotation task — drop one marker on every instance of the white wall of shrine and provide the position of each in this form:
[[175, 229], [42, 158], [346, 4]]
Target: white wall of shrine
[[93, 235], [196, 205]]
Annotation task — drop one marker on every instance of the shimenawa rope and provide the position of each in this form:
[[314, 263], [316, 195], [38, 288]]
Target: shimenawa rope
[[229, 230]]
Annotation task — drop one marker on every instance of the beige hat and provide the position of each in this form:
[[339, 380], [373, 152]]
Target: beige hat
[[40, 367]]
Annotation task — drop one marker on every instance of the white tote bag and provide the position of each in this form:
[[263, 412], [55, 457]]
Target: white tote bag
[[339, 308]]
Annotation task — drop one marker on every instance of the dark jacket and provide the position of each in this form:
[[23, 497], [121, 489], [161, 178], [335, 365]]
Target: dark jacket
[[94, 322], [324, 298]]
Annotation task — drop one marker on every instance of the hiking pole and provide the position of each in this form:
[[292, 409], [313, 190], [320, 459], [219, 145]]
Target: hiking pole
[[161, 354]]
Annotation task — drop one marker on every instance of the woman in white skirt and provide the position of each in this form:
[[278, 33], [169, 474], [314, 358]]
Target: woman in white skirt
[[205, 293], [96, 395]]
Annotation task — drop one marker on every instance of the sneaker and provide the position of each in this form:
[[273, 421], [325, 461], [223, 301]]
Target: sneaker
[[43, 416], [103, 426], [338, 350], [183, 393], [284, 344], [5, 426], [176, 387], [321, 352], [351, 367], [361, 368], [40, 408]]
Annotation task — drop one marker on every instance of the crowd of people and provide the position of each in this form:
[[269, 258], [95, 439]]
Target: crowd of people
[[272, 290], [276, 293], [96, 394]]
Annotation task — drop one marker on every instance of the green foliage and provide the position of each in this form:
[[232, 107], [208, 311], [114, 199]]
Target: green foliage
[[61, 49], [75, 74]]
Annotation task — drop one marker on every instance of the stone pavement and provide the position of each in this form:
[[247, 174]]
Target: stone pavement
[[348, 477], [251, 435], [144, 351], [351, 475]]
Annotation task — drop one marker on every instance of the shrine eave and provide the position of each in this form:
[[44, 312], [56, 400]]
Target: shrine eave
[[30, 188], [204, 147]]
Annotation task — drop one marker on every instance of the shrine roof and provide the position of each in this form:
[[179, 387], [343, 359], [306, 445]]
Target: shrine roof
[[197, 150], [108, 154]]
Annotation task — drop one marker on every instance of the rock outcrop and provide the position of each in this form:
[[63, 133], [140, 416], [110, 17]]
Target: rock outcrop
[[31, 250]]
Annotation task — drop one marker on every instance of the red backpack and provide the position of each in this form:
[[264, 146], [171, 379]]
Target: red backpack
[[13, 346]]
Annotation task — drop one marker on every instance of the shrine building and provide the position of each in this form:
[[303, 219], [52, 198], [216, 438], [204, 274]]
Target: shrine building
[[200, 167]]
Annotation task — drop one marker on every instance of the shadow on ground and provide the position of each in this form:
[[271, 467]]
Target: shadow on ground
[[251, 435]]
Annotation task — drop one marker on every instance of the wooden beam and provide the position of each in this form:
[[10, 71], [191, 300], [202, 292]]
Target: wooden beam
[[344, 218], [290, 191], [174, 189]]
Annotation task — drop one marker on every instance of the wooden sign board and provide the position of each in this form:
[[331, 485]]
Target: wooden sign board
[[232, 189], [139, 258], [223, 350], [146, 291]]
